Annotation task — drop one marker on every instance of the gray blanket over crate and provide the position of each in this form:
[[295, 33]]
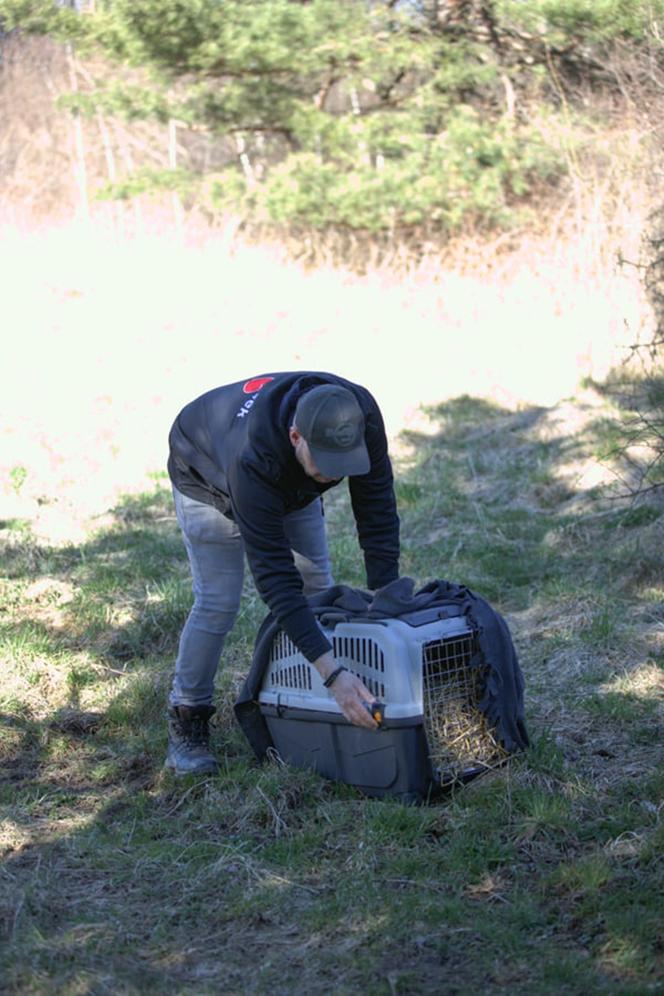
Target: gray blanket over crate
[[502, 701]]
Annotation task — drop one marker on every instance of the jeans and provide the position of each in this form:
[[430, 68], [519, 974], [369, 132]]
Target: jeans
[[216, 557]]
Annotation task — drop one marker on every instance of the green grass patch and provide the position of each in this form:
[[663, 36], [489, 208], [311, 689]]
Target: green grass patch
[[544, 877]]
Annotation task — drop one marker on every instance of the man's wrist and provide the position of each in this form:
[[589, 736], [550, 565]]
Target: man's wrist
[[325, 665], [331, 678]]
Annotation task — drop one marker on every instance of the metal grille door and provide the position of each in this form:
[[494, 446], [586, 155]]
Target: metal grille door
[[457, 732]]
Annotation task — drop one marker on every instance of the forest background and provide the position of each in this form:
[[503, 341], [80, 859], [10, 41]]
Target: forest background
[[458, 204]]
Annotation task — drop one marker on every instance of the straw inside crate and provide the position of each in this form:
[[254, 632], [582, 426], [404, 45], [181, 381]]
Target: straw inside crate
[[458, 734]]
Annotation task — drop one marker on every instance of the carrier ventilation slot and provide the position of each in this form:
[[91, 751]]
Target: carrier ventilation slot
[[282, 647], [365, 658], [292, 676], [288, 669], [359, 650], [458, 734]]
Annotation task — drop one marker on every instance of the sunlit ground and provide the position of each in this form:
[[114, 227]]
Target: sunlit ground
[[106, 339]]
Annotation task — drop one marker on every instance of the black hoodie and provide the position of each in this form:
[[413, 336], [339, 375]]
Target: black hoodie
[[230, 448]]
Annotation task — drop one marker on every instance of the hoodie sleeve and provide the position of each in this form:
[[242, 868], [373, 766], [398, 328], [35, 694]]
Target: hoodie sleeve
[[258, 510], [375, 508]]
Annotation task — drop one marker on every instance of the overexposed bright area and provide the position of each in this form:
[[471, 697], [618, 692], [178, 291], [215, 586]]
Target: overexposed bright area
[[108, 336]]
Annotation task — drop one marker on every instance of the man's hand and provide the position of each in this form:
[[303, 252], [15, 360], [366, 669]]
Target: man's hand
[[350, 693]]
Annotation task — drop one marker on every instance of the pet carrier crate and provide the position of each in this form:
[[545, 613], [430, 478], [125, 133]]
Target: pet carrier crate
[[429, 676]]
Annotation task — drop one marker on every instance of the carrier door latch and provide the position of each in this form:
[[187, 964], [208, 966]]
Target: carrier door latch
[[376, 710]]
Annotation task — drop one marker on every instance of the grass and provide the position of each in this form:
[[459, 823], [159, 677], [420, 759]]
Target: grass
[[544, 877]]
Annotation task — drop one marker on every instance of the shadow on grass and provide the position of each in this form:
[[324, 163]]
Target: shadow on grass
[[633, 437], [139, 885], [120, 879], [488, 496]]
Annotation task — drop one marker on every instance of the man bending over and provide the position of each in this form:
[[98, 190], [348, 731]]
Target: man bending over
[[249, 463]]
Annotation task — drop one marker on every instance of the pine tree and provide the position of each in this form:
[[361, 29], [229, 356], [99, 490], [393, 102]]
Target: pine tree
[[369, 115]]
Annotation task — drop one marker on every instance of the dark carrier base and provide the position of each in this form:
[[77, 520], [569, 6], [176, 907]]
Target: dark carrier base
[[390, 762]]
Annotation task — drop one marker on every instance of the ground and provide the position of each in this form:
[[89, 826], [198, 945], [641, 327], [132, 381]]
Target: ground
[[546, 876]]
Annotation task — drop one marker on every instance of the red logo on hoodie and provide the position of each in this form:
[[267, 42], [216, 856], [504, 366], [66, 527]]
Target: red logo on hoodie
[[253, 386]]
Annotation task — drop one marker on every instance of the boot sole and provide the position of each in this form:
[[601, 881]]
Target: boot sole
[[209, 769]]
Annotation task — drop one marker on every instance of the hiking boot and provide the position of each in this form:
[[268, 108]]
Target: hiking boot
[[189, 740]]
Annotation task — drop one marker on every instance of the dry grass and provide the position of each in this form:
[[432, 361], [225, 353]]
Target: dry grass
[[110, 337], [114, 326]]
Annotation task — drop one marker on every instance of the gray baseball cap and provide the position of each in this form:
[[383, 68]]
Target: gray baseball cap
[[331, 421]]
